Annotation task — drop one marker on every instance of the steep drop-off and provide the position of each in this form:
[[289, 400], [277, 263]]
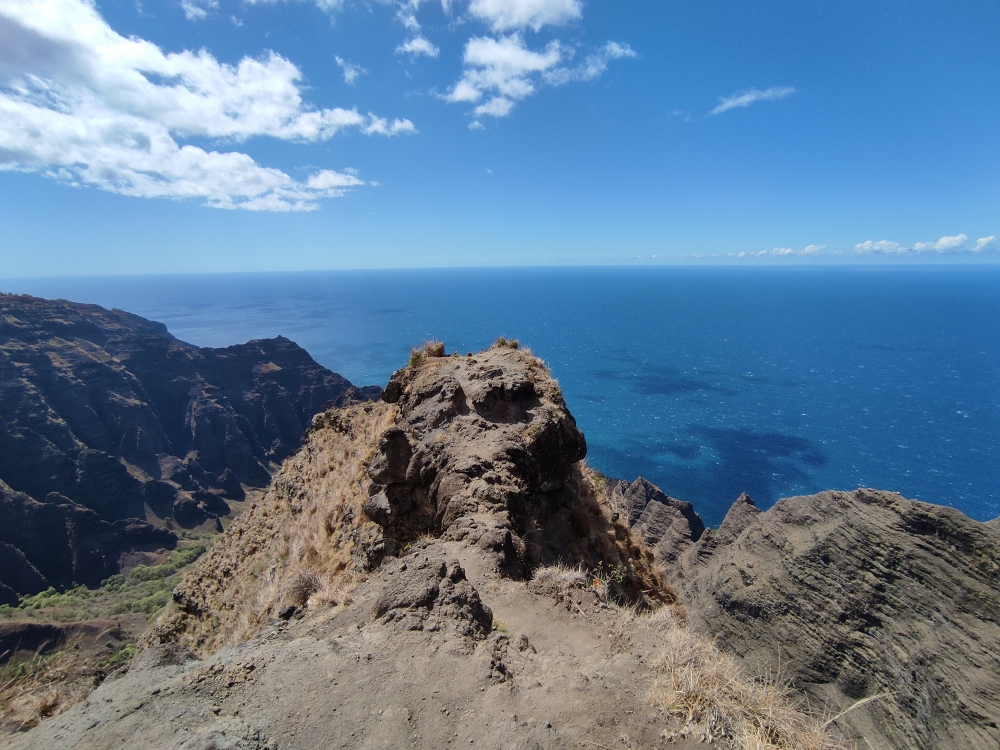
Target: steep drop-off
[[853, 596], [107, 422]]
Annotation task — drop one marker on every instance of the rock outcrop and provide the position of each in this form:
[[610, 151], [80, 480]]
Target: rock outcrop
[[107, 422], [853, 596], [478, 450]]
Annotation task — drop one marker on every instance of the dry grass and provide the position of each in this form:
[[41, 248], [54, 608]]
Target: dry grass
[[304, 543], [505, 343], [715, 699], [47, 685]]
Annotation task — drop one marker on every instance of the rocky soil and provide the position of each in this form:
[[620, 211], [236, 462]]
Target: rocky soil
[[852, 595], [107, 423], [430, 653]]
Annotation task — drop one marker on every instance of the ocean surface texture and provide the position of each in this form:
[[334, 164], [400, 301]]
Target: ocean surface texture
[[707, 381]]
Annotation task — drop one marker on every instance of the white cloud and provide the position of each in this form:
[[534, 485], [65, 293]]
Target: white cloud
[[881, 246], [82, 104], [781, 252], [381, 126], [351, 70], [942, 245], [985, 242], [327, 179], [506, 15], [419, 45], [508, 71], [197, 10], [746, 98], [476, 125], [498, 106], [592, 67], [503, 66], [948, 244]]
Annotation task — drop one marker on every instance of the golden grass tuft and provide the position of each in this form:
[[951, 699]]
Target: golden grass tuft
[[305, 542], [47, 685], [505, 343], [710, 692]]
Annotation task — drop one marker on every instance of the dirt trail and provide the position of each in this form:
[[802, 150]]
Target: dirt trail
[[551, 674]]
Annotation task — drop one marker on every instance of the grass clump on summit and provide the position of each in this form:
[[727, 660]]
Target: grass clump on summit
[[505, 343]]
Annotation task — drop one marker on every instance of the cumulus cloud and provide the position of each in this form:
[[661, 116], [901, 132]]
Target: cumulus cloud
[[82, 104], [984, 243], [942, 245], [416, 46], [381, 126], [351, 70], [507, 15], [813, 249], [751, 96], [949, 244], [888, 247], [506, 71], [502, 68]]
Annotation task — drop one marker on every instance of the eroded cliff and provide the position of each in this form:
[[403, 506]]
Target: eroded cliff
[[107, 422]]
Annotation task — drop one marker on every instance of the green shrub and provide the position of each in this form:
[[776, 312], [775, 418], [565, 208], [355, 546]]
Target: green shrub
[[181, 557], [150, 572], [151, 604]]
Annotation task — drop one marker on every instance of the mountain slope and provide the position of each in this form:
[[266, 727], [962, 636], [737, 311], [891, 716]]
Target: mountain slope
[[107, 421]]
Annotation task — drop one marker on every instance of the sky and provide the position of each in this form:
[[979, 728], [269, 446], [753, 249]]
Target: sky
[[152, 136]]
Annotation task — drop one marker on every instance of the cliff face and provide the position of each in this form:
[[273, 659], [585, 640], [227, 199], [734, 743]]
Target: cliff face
[[106, 420], [479, 451], [855, 595]]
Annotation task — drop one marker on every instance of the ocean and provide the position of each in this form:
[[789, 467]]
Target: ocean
[[708, 381]]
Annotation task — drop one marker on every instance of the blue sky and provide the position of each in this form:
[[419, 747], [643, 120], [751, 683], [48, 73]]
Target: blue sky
[[144, 136]]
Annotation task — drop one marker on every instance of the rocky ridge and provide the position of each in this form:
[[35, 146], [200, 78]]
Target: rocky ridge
[[477, 450], [108, 422], [853, 596], [432, 570]]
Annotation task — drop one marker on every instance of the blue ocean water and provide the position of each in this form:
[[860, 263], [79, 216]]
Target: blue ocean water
[[707, 381]]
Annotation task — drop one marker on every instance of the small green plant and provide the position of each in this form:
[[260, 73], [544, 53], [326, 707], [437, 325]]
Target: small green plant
[[417, 358], [604, 574], [505, 343], [497, 625], [555, 393]]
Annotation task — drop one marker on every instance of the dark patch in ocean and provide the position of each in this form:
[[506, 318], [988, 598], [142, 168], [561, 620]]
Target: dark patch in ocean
[[723, 463], [660, 380]]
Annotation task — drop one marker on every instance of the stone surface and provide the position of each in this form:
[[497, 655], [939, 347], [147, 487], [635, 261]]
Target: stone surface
[[104, 416], [854, 595]]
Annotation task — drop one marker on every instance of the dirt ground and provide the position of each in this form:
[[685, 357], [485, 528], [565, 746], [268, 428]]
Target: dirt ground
[[549, 674]]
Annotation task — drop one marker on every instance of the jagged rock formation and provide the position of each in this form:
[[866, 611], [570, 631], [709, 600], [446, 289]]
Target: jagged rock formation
[[854, 595], [107, 421], [666, 524], [478, 450]]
